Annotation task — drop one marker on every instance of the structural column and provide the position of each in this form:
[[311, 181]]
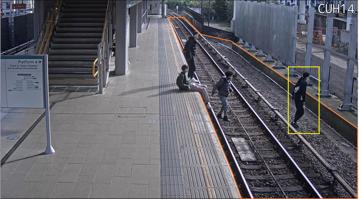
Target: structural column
[[348, 84], [310, 28], [163, 12], [325, 69], [139, 17], [234, 15], [121, 29], [302, 12], [133, 26], [349, 15], [145, 7], [39, 16], [348, 22]]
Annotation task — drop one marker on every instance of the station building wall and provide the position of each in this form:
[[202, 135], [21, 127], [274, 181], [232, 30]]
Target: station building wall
[[269, 27], [22, 31]]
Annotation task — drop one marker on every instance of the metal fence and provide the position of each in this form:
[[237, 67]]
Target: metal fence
[[269, 27]]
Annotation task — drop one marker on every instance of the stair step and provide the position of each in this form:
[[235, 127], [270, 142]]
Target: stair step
[[72, 52], [72, 80], [72, 57], [105, 1], [73, 46], [84, 10], [71, 24], [85, 20], [79, 29], [77, 40], [85, 5], [78, 35], [73, 70], [70, 64], [83, 15]]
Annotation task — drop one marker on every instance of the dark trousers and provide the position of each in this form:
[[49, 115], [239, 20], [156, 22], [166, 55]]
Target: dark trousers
[[300, 109], [191, 68]]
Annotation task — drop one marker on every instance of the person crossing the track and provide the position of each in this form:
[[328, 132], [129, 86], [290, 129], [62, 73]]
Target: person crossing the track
[[224, 89], [189, 53], [186, 84], [298, 94]]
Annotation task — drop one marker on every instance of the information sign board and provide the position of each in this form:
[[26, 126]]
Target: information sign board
[[25, 84], [22, 81]]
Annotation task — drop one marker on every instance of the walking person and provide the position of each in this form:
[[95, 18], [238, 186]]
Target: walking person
[[185, 84], [189, 53], [224, 88], [298, 94]]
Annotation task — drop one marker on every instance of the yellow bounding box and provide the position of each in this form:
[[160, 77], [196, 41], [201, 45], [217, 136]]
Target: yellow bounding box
[[289, 98]]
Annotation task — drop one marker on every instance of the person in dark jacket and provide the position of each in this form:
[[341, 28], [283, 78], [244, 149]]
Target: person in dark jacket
[[186, 84], [224, 88], [189, 53], [298, 94]]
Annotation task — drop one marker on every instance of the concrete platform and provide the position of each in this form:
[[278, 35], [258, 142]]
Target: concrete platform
[[142, 138]]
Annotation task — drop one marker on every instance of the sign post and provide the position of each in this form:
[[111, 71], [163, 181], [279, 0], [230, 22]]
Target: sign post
[[25, 84], [49, 149]]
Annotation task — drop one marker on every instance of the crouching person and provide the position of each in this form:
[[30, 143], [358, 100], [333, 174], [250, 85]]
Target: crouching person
[[184, 83], [224, 88]]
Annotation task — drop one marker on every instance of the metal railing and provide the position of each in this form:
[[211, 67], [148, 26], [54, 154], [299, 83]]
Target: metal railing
[[19, 48], [101, 65], [48, 28]]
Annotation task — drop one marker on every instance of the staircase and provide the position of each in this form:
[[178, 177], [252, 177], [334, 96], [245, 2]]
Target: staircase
[[73, 46]]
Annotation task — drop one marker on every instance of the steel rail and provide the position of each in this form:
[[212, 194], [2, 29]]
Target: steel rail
[[298, 169]]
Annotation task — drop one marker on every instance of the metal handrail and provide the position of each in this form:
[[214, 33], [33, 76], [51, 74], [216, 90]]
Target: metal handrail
[[104, 31], [18, 48], [144, 13], [101, 63], [324, 162], [94, 71], [48, 28]]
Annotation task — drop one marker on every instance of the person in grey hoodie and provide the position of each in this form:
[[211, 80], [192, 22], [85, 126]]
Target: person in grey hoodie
[[224, 88]]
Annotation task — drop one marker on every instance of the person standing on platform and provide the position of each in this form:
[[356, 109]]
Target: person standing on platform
[[185, 84], [189, 53], [224, 88], [298, 94]]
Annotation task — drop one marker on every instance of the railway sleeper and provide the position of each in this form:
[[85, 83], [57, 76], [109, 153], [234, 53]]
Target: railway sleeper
[[271, 189], [278, 177], [270, 155]]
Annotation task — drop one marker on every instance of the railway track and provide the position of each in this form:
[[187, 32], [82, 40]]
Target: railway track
[[278, 97], [270, 171]]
